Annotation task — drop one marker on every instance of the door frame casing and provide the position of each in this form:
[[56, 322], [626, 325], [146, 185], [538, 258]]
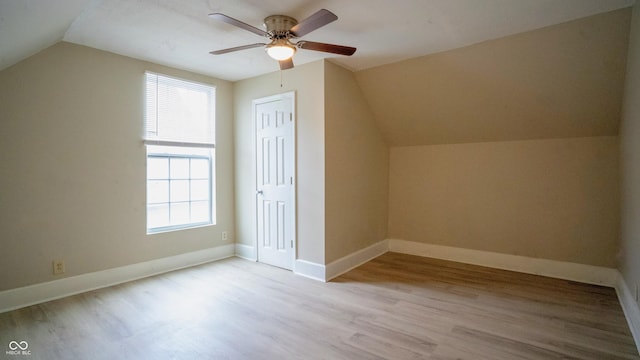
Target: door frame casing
[[294, 187]]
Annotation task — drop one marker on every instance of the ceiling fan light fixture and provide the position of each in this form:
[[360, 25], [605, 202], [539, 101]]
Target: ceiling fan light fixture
[[280, 30], [280, 50]]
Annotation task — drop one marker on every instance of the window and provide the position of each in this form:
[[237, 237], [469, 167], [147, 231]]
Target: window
[[179, 136]]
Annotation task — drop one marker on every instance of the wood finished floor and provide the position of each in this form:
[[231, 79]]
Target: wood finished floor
[[394, 307]]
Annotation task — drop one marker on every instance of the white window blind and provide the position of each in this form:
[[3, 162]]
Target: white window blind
[[179, 134], [179, 112]]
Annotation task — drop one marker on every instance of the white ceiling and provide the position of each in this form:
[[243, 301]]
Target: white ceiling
[[178, 33]]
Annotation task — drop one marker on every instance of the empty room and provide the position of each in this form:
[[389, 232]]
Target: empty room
[[363, 179]]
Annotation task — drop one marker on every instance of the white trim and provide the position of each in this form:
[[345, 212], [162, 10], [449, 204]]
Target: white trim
[[310, 269], [246, 252], [294, 173], [179, 143], [352, 261], [338, 267], [34, 294], [630, 308], [589, 274]]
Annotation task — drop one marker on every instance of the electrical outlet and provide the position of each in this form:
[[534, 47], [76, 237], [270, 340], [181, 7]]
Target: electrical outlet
[[225, 236], [58, 267]]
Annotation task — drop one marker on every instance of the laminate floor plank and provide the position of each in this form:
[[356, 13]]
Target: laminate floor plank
[[393, 307]]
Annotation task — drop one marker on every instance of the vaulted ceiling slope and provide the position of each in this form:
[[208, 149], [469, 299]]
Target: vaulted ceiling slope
[[561, 81], [179, 34]]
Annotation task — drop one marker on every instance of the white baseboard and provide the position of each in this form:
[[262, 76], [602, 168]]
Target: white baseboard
[[246, 252], [597, 275], [630, 308], [335, 268], [590, 274], [34, 294], [352, 261], [310, 269]]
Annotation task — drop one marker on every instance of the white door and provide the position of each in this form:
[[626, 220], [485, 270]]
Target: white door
[[275, 202]]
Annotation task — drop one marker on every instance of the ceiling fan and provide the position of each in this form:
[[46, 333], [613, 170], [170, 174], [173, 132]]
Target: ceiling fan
[[280, 30]]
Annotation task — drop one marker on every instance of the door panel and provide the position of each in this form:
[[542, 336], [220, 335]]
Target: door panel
[[275, 190], [266, 221], [281, 221], [266, 162]]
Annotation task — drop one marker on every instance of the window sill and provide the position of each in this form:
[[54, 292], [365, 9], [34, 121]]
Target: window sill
[[167, 229]]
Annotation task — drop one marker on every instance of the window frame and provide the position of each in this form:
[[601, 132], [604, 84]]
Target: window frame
[[210, 183], [179, 149]]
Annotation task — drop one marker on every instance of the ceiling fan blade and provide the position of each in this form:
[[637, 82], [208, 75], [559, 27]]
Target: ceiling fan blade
[[321, 18], [330, 48], [238, 23], [237, 48], [286, 64]]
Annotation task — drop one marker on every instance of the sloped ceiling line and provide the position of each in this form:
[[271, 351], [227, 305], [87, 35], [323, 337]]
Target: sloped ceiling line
[[178, 33]]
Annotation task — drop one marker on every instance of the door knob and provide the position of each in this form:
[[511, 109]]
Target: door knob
[[259, 192]]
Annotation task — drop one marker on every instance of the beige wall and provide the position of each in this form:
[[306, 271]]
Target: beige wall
[[308, 83], [554, 199], [509, 145], [356, 168], [342, 161], [73, 177], [561, 81], [630, 162]]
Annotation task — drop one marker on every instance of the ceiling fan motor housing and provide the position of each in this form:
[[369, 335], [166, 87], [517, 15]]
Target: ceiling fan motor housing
[[279, 25]]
